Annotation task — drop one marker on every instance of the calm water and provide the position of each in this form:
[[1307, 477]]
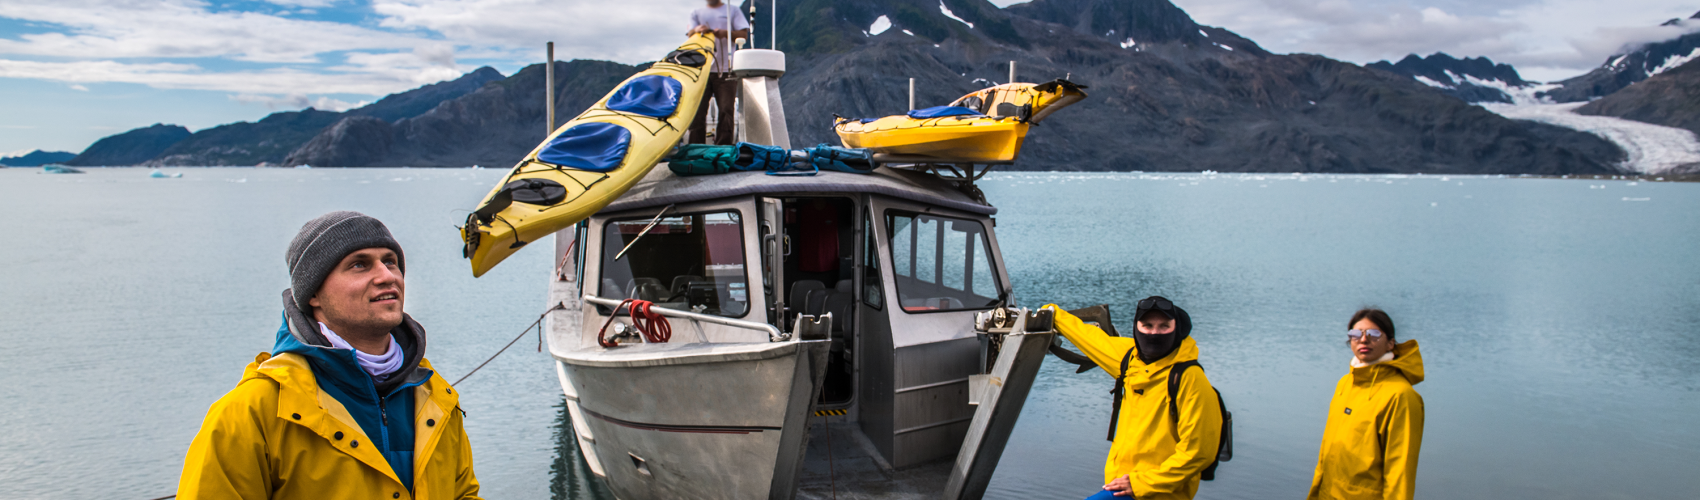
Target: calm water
[[1560, 321]]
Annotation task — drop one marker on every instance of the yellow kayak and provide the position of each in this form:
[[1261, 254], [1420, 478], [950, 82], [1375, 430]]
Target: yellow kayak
[[1028, 101], [960, 137], [986, 125], [591, 160]]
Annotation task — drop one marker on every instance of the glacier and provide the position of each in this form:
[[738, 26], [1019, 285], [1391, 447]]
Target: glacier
[[1650, 149]]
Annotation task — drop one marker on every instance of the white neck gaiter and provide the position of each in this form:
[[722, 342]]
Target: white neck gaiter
[[379, 366], [1385, 357]]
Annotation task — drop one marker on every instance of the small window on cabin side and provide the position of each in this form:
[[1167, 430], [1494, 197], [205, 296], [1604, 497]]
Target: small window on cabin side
[[689, 262], [940, 263]]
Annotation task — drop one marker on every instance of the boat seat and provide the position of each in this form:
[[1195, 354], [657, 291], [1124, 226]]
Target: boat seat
[[682, 282], [839, 304], [799, 294], [649, 289]]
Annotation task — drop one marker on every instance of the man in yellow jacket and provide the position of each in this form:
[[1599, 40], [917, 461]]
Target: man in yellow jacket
[[345, 406], [1155, 455]]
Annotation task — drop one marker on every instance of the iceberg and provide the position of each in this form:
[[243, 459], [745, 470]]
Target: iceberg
[[159, 174]]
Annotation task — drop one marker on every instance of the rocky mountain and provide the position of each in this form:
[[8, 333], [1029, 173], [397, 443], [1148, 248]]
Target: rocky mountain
[[36, 158], [132, 147], [1166, 93], [271, 139], [1670, 98], [494, 126], [1635, 65], [417, 101], [1473, 79], [244, 143]]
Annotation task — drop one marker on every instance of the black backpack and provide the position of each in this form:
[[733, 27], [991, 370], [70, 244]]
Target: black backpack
[[1225, 449]]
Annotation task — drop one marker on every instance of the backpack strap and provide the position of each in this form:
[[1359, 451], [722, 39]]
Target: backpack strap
[[1175, 372], [1116, 406]]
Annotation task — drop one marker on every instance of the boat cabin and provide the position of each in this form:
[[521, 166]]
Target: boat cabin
[[899, 260]]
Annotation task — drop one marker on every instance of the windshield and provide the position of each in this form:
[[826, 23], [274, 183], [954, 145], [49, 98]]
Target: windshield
[[690, 262], [940, 263]]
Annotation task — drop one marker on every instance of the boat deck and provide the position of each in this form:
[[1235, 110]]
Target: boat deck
[[855, 473]]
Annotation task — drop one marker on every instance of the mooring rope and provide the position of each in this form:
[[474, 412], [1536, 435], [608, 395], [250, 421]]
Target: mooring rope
[[535, 324]]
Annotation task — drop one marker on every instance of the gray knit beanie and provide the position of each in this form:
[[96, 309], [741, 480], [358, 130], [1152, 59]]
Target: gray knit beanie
[[324, 241]]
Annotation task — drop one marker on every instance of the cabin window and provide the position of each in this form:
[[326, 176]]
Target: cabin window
[[940, 263], [689, 262]]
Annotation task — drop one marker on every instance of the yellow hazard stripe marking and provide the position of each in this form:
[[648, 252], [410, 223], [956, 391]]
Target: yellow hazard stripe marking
[[824, 413]]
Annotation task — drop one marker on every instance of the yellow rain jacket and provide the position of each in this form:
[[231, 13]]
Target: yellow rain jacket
[[1375, 429], [278, 436], [1162, 461]]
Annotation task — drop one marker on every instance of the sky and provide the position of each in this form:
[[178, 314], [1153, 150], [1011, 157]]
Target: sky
[[73, 71]]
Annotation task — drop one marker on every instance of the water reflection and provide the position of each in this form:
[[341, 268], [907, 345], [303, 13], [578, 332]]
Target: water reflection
[[571, 478]]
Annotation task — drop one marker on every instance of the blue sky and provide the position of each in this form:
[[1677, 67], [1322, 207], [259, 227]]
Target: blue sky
[[73, 71]]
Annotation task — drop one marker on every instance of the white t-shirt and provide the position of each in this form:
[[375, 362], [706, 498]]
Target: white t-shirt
[[715, 18]]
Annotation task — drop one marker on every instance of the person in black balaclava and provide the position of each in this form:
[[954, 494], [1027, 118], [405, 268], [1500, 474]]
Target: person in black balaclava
[[1156, 453], [1162, 326]]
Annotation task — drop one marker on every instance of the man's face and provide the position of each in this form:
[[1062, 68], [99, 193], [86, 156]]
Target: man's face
[[364, 292], [1156, 323]]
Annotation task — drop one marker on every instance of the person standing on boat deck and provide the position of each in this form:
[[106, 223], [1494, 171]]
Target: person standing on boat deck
[[1155, 455], [1375, 422], [345, 406], [716, 18]]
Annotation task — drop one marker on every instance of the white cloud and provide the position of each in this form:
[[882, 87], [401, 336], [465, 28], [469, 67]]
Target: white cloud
[[79, 87], [184, 29], [280, 81], [627, 31], [98, 41], [1545, 39], [299, 101]]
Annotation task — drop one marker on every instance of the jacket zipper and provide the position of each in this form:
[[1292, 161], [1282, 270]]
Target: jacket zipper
[[383, 419]]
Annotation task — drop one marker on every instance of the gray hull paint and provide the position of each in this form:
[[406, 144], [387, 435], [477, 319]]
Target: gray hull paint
[[712, 428]]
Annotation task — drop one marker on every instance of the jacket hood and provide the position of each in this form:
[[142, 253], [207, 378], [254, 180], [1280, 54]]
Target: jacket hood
[[301, 335], [1407, 360]]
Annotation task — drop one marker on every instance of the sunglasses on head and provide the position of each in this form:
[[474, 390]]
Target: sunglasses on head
[[1357, 334], [1157, 303]]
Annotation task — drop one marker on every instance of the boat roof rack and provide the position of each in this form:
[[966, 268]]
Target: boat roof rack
[[958, 171]]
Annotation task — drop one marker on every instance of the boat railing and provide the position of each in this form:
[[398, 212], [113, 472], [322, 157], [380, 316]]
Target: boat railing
[[773, 333]]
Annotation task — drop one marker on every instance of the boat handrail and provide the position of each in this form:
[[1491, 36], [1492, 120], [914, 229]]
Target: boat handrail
[[773, 333]]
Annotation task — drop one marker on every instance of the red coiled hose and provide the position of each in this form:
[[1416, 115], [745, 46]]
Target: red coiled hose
[[650, 324]]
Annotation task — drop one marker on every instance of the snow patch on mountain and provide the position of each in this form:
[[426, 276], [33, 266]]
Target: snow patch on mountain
[[1673, 61], [1129, 43], [952, 15], [880, 25], [1431, 82], [1651, 149], [1519, 94]]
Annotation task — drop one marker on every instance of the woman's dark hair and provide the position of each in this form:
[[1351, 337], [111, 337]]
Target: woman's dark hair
[[1377, 316]]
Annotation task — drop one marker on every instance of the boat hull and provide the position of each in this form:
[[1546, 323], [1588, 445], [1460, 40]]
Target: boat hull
[[697, 421]]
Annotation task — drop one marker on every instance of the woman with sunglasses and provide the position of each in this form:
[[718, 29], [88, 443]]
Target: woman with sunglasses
[[1375, 423]]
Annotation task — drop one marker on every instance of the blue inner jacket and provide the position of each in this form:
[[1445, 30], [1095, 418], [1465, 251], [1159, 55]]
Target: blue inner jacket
[[388, 420]]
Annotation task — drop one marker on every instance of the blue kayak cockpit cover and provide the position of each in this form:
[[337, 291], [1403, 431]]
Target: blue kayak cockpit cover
[[594, 147], [942, 111], [649, 95]]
